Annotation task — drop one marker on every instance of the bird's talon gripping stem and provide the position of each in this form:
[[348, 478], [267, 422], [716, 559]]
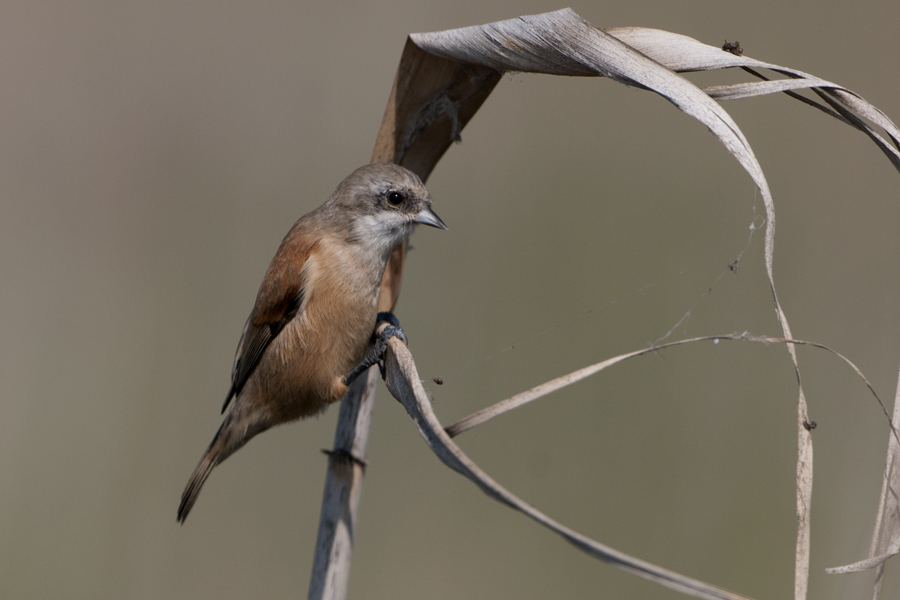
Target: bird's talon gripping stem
[[376, 354]]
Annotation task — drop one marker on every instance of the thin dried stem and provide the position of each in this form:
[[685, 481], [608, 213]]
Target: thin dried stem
[[343, 488], [544, 389]]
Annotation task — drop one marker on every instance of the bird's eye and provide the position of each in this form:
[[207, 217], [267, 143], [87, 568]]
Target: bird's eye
[[395, 198]]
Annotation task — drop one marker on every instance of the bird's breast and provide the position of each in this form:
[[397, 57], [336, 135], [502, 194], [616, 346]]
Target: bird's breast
[[301, 371]]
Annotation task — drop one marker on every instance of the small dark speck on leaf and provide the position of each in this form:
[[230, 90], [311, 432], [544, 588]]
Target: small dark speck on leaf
[[733, 266], [438, 380], [733, 47]]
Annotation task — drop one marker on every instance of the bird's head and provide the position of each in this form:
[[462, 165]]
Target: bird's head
[[380, 204]]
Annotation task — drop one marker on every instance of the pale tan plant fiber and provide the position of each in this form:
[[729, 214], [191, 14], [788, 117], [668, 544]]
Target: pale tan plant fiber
[[681, 54], [495, 410]]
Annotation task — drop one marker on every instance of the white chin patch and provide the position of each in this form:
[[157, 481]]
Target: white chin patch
[[383, 230]]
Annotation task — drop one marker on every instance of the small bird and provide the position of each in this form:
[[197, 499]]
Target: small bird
[[316, 309]]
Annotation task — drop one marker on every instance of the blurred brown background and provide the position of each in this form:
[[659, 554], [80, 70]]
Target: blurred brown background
[[152, 156]]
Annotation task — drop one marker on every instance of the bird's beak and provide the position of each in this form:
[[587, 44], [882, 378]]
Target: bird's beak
[[428, 217]]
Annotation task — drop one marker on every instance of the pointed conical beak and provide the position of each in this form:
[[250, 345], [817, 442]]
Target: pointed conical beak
[[428, 217]]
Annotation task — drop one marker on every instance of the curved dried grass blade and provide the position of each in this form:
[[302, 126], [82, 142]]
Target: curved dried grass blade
[[402, 380], [545, 389], [682, 54], [738, 91]]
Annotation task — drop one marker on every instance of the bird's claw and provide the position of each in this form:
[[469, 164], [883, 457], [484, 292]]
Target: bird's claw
[[379, 345]]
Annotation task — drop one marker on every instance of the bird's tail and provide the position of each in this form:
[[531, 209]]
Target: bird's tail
[[230, 437]]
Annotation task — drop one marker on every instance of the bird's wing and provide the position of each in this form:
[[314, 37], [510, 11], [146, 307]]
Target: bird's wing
[[279, 300]]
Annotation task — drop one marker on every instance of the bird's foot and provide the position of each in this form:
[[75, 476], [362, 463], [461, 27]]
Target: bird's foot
[[379, 341]]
